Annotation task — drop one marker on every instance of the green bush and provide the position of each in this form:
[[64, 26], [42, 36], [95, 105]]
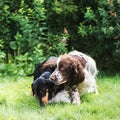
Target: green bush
[[2, 53], [101, 29], [41, 28], [56, 44], [93, 27]]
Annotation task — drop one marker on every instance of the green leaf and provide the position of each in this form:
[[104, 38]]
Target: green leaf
[[13, 45]]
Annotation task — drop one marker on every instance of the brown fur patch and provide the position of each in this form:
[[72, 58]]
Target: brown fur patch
[[71, 68], [45, 98], [50, 63]]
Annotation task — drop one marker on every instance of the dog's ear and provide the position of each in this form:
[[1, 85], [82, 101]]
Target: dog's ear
[[80, 74], [32, 87], [77, 74]]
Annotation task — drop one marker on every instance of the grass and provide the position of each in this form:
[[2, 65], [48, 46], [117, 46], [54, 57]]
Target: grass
[[16, 103]]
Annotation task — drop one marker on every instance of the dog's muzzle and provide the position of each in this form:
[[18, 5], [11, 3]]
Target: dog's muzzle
[[57, 78]]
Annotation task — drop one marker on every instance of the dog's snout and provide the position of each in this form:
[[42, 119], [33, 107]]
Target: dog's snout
[[53, 77]]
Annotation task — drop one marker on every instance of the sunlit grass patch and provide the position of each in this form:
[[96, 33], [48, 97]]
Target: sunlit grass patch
[[16, 102]]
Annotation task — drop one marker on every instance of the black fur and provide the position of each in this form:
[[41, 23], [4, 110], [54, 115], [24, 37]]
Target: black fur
[[41, 85]]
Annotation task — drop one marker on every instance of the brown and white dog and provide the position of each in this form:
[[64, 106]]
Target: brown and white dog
[[77, 70]]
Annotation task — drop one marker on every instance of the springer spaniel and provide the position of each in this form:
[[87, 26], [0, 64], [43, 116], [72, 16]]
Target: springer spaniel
[[78, 71]]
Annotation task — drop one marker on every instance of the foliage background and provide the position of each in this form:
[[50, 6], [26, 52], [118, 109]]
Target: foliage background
[[32, 30]]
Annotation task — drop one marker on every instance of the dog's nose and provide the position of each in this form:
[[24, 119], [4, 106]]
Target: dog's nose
[[52, 77]]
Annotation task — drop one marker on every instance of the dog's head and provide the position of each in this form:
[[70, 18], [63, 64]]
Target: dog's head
[[69, 68], [41, 88]]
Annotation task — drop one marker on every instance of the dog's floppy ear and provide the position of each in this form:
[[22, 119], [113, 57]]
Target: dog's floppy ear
[[32, 87], [77, 74]]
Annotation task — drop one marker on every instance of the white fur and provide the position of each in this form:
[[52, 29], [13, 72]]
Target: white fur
[[90, 62], [89, 84], [58, 75], [59, 79], [62, 96], [75, 96]]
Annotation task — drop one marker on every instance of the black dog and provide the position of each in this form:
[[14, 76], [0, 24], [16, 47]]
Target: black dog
[[42, 87]]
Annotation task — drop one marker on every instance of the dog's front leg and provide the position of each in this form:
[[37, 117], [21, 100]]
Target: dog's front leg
[[75, 96]]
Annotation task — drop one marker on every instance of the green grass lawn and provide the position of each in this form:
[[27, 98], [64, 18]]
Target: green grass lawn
[[16, 103]]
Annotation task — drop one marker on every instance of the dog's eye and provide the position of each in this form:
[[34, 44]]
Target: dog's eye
[[43, 90], [61, 68], [40, 91]]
